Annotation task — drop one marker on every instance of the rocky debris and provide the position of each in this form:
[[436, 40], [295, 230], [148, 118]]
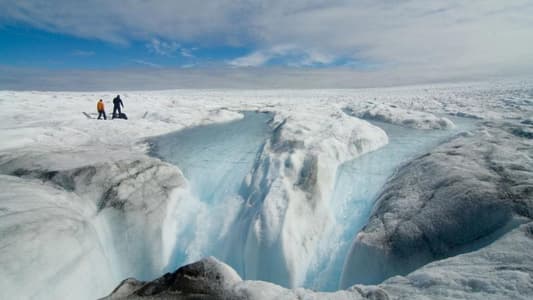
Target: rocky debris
[[211, 279], [205, 279]]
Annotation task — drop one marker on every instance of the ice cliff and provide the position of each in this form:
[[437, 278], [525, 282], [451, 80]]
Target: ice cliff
[[443, 202], [72, 219]]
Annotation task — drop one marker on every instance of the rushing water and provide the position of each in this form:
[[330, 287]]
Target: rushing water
[[216, 158]]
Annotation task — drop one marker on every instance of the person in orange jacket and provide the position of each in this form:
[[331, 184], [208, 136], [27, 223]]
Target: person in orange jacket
[[101, 110]]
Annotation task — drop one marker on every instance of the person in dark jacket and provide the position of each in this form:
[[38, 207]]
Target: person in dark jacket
[[117, 103]]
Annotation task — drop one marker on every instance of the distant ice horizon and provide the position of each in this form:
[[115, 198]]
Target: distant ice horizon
[[27, 79]]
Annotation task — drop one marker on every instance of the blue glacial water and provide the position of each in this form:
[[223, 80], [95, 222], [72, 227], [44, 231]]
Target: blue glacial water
[[216, 158]]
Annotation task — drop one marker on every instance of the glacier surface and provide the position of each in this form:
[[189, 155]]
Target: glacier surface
[[84, 206]]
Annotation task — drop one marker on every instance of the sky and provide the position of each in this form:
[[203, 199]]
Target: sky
[[140, 44]]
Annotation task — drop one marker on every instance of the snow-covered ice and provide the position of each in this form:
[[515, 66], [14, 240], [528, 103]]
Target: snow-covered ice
[[296, 189], [399, 116]]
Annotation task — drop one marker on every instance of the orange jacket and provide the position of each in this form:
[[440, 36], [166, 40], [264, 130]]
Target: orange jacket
[[100, 106]]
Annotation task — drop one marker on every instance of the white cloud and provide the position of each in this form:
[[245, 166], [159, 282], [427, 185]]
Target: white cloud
[[162, 48], [186, 52], [291, 55], [416, 36], [252, 60]]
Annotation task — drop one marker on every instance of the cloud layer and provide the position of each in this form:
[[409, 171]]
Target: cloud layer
[[156, 78], [416, 36]]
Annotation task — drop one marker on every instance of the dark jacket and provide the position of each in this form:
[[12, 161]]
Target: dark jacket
[[117, 101]]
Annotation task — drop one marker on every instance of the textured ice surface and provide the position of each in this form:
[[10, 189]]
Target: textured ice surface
[[502, 270], [50, 249], [103, 219], [457, 198], [357, 185]]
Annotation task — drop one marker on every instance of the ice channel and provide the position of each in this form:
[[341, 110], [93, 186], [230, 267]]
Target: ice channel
[[358, 184], [216, 158]]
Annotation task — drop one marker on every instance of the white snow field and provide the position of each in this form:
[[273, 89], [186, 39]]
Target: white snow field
[[418, 192]]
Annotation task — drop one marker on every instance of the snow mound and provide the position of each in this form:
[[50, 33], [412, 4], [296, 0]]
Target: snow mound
[[289, 189], [459, 197], [399, 116]]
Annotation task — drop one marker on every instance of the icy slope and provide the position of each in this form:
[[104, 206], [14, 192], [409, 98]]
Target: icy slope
[[502, 270], [457, 198], [50, 248], [123, 205]]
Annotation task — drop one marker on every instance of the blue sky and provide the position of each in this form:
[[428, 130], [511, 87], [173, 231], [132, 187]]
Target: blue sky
[[369, 42], [25, 46]]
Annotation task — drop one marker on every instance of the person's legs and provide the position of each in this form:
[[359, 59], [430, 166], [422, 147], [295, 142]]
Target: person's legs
[[105, 117], [115, 108], [99, 115]]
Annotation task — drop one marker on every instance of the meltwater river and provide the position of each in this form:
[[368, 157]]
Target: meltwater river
[[215, 159]]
